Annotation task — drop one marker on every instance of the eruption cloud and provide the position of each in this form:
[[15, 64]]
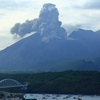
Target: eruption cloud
[[47, 25]]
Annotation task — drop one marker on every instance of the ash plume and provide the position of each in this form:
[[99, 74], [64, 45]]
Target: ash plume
[[47, 25]]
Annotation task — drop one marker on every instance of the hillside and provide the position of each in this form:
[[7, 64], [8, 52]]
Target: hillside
[[81, 65], [67, 82]]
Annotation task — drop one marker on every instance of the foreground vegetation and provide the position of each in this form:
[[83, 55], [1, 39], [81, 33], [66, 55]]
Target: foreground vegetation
[[67, 82]]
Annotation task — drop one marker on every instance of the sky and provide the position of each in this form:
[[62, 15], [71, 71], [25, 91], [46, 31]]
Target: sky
[[73, 14]]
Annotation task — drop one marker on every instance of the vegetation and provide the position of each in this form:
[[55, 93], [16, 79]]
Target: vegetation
[[1, 95], [67, 82]]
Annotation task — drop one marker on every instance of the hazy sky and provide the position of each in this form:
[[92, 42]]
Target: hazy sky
[[74, 14]]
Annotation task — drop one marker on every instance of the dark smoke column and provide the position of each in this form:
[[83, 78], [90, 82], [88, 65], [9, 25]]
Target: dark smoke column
[[47, 25]]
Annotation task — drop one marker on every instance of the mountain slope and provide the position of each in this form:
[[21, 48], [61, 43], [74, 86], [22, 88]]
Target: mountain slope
[[89, 38], [33, 54], [79, 65]]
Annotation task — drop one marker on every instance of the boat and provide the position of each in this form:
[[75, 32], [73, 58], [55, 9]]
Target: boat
[[29, 97]]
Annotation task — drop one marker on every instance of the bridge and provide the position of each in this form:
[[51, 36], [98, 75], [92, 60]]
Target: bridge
[[10, 83]]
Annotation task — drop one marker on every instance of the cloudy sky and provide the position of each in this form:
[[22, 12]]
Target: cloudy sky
[[74, 14]]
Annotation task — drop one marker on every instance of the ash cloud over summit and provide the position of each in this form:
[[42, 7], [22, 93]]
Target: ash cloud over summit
[[47, 25]]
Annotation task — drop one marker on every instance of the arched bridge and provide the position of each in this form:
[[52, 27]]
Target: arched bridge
[[9, 83]]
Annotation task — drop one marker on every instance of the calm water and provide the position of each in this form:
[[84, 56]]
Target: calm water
[[64, 97]]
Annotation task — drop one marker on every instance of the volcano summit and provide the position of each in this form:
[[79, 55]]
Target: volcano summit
[[47, 25]]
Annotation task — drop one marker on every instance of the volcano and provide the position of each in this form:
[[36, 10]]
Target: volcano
[[49, 47]]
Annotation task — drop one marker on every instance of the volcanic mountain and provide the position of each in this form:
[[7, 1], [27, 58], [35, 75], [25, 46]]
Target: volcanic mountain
[[49, 47], [33, 54]]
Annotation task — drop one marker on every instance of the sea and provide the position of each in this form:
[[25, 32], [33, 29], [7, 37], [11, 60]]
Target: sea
[[64, 97]]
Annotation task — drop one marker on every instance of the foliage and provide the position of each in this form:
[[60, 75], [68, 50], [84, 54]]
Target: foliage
[[67, 82], [1, 95]]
